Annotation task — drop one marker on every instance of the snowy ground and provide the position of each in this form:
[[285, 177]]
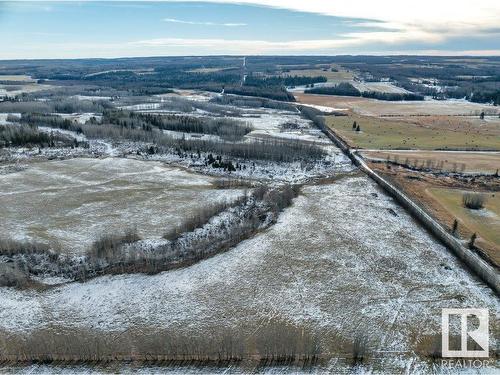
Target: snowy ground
[[69, 133], [387, 87], [71, 202], [80, 118], [373, 107], [268, 125], [343, 260], [337, 262], [4, 116]]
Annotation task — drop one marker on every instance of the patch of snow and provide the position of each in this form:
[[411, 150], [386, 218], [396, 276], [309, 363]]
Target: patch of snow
[[4, 116], [336, 262], [72, 134]]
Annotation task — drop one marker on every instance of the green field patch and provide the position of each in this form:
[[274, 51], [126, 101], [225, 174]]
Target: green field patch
[[377, 133]]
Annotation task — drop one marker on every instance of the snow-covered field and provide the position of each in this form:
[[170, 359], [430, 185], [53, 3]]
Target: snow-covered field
[[343, 261], [21, 88], [373, 107], [80, 118], [387, 87], [338, 262], [72, 202]]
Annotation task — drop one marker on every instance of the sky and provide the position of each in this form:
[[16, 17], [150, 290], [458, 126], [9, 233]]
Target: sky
[[78, 29]]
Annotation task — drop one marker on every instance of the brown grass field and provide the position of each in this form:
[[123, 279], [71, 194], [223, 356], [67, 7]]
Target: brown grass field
[[17, 78], [441, 134], [373, 107], [484, 222], [475, 162]]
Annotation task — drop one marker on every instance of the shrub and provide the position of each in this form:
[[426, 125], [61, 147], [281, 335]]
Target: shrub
[[108, 245], [359, 349], [12, 276], [200, 218], [473, 201], [472, 240], [11, 247]]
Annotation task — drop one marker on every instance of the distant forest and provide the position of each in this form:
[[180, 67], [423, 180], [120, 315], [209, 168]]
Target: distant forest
[[473, 78]]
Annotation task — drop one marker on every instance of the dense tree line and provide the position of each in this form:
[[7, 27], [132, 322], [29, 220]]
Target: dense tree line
[[343, 88], [271, 92], [286, 80], [161, 80], [273, 150], [130, 126], [159, 83], [24, 135], [51, 121], [390, 96], [223, 127], [347, 89], [486, 97], [242, 101], [276, 342], [59, 105]]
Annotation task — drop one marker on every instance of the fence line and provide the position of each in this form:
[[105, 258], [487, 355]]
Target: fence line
[[479, 266]]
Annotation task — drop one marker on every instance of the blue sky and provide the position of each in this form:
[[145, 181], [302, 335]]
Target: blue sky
[[72, 29]]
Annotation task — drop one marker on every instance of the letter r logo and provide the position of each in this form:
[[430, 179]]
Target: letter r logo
[[480, 335]]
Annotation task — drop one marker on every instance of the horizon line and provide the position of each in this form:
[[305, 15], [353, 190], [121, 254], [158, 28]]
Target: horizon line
[[257, 55]]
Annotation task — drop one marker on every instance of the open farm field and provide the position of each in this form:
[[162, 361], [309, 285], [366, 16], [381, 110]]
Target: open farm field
[[163, 213], [342, 275], [485, 222], [474, 162], [71, 203], [373, 107], [385, 133], [379, 87], [490, 125], [21, 88], [16, 78]]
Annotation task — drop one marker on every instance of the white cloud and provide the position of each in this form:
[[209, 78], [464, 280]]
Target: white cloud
[[397, 23], [357, 41], [245, 46], [203, 47], [175, 20], [424, 12], [432, 20]]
